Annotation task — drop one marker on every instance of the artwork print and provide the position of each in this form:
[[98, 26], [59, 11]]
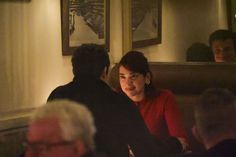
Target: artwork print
[[84, 21]]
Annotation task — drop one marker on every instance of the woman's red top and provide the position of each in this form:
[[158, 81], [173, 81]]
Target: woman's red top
[[162, 116]]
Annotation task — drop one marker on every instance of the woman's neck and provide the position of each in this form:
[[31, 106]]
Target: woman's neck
[[138, 98]]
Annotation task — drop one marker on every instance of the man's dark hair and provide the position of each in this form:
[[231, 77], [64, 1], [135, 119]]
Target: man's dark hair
[[199, 52], [90, 60], [222, 34]]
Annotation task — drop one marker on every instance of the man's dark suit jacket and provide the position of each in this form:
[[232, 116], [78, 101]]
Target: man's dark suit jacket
[[117, 119], [226, 148]]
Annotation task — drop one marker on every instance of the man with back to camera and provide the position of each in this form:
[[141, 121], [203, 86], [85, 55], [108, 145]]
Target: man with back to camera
[[222, 43], [119, 124], [61, 128], [215, 123]]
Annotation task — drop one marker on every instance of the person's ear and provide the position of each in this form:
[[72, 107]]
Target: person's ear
[[196, 133], [148, 78], [80, 148]]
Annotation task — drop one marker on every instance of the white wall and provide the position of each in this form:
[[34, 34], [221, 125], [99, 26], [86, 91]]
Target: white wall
[[30, 44]]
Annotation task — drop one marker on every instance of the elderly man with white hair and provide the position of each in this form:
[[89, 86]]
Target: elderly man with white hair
[[61, 128]]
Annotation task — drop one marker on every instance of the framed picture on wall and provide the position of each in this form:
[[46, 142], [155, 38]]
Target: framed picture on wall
[[84, 21], [231, 12], [146, 22]]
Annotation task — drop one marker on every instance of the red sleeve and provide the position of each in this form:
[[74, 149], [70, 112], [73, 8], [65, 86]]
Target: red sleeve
[[172, 117]]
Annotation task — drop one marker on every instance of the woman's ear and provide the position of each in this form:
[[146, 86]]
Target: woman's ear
[[148, 78]]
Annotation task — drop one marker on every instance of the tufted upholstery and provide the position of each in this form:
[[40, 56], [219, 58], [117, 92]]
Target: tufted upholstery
[[187, 81]]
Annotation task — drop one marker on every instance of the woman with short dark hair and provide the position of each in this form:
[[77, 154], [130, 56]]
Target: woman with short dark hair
[[157, 107]]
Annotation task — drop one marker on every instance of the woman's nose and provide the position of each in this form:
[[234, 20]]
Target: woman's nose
[[129, 82]]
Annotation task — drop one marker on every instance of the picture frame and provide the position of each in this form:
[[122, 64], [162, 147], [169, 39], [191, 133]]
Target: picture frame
[[146, 22], [231, 14], [84, 22]]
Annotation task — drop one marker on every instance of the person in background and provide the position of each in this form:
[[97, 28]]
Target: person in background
[[157, 107], [222, 43], [215, 123], [121, 131], [199, 52], [61, 129]]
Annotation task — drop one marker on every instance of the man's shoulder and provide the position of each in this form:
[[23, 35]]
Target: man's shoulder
[[121, 98], [61, 92]]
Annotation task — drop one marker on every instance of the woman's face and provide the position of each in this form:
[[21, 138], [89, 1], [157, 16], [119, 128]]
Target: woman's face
[[132, 83]]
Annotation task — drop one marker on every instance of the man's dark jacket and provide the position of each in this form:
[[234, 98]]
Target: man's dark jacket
[[117, 119]]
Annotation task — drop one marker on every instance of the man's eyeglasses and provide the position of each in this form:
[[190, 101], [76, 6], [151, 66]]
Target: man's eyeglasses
[[42, 146]]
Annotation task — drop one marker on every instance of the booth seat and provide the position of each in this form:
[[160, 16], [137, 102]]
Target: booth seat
[[187, 81]]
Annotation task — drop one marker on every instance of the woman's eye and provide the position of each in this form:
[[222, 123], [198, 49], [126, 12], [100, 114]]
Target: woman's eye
[[134, 76], [122, 77]]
